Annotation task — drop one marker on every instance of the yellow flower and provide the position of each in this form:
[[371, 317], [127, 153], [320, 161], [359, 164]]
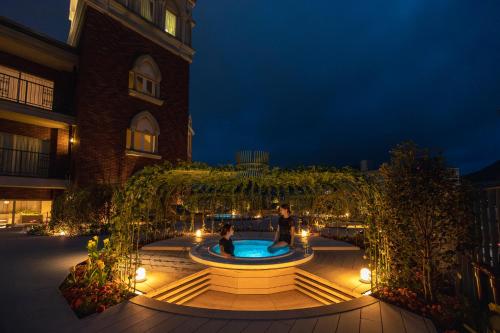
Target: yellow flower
[[106, 242], [100, 264], [95, 238]]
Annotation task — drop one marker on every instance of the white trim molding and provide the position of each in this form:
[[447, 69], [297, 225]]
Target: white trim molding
[[136, 153], [144, 97]]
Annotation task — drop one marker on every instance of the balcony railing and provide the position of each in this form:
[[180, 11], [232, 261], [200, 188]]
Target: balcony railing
[[26, 92], [23, 163]]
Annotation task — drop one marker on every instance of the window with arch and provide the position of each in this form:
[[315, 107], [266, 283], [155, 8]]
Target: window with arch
[[142, 136], [145, 77]]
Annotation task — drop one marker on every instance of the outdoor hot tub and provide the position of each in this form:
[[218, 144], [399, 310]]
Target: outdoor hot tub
[[253, 249], [250, 254]]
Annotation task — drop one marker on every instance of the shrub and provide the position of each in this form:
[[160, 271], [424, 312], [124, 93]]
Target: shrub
[[93, 285], [83, 210]]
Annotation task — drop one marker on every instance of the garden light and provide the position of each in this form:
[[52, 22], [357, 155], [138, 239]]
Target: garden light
[[365, 275], [198, 233], [304, 233], [140, 274]]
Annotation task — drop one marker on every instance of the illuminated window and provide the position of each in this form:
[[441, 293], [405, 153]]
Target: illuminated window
[[143, 133], [170, 22], [147, 9], [145, 77]]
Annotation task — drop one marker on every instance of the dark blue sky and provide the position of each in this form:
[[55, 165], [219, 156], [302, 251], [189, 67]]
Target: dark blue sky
[[333, 82]]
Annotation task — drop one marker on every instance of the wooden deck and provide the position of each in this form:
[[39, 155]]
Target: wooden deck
[[377, 317], [168, 261]]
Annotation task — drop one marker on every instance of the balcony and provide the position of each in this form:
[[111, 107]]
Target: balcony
[[29, 90], [23, 163]]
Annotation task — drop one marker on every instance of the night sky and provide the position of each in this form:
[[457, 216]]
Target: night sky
[[334, 82]]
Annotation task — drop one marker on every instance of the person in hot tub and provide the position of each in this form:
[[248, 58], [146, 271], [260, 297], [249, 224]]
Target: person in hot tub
[[286, 229], [226, 243]]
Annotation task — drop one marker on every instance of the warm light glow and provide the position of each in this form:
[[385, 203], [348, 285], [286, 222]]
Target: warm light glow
[[347, 214], [304, 233], [367, 293], [234, 212], [258, 216], [72, 140], [140, 274], [62, 233], [6, 202], [365, 275], [307, 212], [198, 233]]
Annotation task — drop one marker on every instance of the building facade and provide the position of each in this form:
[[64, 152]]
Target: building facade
[[96, 109]]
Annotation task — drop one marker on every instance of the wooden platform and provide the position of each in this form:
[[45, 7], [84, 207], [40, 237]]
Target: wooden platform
[[377, 317]]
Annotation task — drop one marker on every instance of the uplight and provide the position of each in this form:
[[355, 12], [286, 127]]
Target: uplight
[[365, 275], [304, 233], [140, 274], [198, 233]]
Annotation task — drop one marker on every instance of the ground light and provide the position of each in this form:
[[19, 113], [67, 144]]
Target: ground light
[[304, 233], [140, 274], [198, 233], [365, 275]]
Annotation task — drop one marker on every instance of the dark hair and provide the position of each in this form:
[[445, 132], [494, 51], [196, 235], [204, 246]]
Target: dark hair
[[225, 229], [287, 207]]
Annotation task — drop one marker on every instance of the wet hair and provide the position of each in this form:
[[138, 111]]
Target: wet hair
[[225, 229], [287, 207]]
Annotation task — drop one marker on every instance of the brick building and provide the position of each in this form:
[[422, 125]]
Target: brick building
[[96, 109]]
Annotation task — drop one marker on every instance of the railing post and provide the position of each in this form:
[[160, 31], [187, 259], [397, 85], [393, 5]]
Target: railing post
[[18, 89]]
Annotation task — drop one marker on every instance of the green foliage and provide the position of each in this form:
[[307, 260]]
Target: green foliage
[[82, 210], [148, 204], [93, 286], [420, 221]]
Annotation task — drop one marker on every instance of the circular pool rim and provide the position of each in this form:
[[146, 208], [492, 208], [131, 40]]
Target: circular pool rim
[[290, 251], [202, 254]]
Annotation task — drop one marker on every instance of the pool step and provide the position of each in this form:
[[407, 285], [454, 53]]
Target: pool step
[[322, 289], [313, 286], [184, 289]]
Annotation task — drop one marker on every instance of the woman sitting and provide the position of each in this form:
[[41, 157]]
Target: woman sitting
[[226, 243], [286, 229]]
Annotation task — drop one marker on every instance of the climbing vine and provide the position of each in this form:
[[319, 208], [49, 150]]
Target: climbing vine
[[153, 201]]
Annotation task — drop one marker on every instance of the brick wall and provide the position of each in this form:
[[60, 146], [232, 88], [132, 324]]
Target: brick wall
[[14, 127], [63, 81], [14, 193], [104, 108]]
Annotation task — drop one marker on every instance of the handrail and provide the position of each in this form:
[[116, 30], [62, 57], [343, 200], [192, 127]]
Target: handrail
[[14, 162], [26, 92]]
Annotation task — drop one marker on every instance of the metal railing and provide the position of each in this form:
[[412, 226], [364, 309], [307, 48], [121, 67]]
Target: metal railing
[[26, 92], [23, 163]]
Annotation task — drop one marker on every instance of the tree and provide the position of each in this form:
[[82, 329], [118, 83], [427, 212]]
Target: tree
[[425, 218]]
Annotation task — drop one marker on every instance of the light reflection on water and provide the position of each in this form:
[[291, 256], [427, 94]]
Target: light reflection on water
[[253, 249]]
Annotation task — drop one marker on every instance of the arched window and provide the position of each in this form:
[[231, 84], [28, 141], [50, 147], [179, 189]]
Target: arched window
[[142, 136], [145, 77]]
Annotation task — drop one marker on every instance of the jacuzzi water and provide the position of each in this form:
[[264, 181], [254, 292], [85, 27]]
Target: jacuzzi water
[[253, 249]]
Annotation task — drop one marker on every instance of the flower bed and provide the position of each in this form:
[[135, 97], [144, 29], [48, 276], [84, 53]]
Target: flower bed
[[92, 286], [446, 313]]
